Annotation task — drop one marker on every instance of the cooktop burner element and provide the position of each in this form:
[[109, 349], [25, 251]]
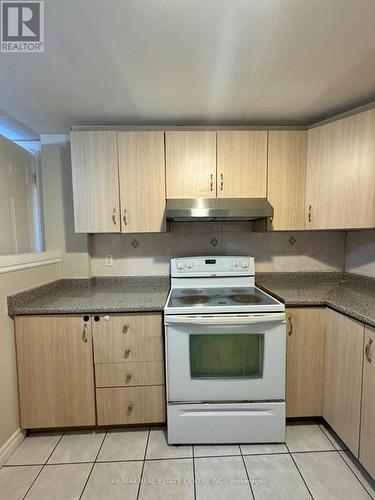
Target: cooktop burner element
[[245, 299], [194, 299]]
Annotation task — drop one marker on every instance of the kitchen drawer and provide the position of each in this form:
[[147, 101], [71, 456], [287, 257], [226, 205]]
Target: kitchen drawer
[[130, 405], [130, 337], [129, 374]]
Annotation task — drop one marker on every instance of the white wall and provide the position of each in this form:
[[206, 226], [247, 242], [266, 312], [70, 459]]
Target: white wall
[[58, 208], [360, 253], [274, 252]]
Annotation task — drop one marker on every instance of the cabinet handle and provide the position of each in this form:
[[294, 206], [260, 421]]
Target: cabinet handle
[[130, 408], [126, 353], [222, 182], [310, 208], [128, 377], [124, 217], [212, 182], [367, 350], [290, 332], [125, 328], [84, 335], [114, 217]]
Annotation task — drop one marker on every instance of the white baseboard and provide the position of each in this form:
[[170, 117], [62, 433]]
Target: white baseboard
[[9, 446]]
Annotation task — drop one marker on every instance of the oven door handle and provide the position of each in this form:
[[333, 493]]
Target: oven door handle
[[224, 319]]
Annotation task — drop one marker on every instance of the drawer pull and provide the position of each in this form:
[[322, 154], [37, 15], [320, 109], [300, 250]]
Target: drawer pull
[[130, 408], [128, 377], [84, 334], [127, 353], [367, 350], [125, 328], [290, 332]]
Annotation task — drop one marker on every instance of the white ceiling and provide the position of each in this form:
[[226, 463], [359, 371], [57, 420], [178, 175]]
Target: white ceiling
[[193, 62]]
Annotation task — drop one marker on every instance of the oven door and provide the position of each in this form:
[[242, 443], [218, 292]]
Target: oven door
[[225, 357]]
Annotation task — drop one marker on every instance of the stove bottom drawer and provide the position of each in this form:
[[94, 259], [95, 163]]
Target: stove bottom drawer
[[130, 405], [226, 423]]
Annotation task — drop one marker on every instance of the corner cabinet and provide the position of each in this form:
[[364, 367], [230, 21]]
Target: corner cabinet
[[340, 183], [304, 361], [287, 151], [343, 377], [118, 181], [55, 371]]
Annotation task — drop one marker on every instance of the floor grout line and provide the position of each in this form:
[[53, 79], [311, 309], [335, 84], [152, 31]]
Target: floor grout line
[[93, 465], [247, 473], [300, 473], [39, 473], [143, 464], [194, 484]]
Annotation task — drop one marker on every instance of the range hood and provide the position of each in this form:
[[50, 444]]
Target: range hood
[[218, 209]]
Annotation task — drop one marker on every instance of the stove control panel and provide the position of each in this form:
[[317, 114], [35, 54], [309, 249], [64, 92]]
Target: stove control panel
[[212, 266]]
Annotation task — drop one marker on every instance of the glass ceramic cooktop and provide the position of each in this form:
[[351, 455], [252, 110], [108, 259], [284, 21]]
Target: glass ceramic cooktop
[[208, 297]]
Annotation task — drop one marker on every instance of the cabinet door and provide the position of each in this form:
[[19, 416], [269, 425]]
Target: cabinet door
[[242, 164], [95, 182], [367, 441], [340, 183], [343, 377], [304, 361], [55, 371], [287, 151], [142, 181], [191, 164]]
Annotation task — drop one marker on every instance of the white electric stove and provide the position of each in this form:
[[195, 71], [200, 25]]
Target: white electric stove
[[225, 354]]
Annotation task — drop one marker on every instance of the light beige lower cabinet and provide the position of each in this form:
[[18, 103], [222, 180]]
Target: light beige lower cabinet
[[343, 377], [367, 441], [55, 371], [129, 368], [304, 361]]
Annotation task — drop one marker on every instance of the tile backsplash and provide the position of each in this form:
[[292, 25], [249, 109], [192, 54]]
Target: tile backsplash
[[149, 254], [360, 252]]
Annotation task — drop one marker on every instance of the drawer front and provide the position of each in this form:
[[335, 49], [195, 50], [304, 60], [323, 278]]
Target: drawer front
[[129, 374], [131, 405], [130, 337]]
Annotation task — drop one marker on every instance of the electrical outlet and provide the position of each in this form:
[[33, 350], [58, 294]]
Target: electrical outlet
[[109, 260]]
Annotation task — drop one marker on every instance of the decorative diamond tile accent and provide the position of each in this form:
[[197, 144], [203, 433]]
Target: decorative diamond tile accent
[[134, 243], [292, 240], [214, 242]]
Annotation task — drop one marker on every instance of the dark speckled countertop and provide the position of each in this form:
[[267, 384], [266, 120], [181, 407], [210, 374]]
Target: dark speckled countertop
[[350, 294], [347, 293], [95, 295]]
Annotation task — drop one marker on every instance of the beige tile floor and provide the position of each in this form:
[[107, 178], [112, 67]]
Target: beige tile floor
[[132, 464]]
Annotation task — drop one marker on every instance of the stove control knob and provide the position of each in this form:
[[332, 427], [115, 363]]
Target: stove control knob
[[190, 265], [180, 266], [235, 263], [245, 264]]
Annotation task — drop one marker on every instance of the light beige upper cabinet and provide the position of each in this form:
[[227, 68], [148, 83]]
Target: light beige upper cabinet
[[191, 164], [343, 377], [95, 182], [287, 150], [55, 371], [367, 442], [142, 181], [242, 164], [304, 361], [340, 182]]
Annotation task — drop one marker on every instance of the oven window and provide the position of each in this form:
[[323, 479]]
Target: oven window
[[226, 355]]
